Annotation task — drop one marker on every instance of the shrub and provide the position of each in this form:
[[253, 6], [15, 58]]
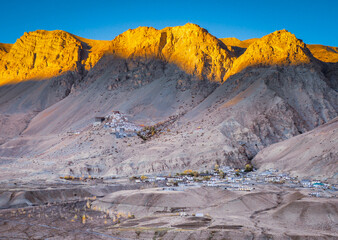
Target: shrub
[[206, 178], [248, 168], [133, 178], [144, 177], [190, 172]]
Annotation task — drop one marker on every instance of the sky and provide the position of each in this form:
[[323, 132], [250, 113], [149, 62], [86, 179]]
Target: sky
[[315, 22]]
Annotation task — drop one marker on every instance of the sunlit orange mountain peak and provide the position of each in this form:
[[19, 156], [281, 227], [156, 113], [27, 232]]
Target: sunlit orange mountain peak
[[190, 47], [278, 48], [44, 54]]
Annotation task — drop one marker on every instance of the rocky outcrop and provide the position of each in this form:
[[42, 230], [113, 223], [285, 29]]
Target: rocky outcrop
[[190, 47]]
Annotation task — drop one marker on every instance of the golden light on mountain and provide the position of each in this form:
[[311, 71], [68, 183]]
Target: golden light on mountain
[[278, 48], [44, 54], [190, 47]]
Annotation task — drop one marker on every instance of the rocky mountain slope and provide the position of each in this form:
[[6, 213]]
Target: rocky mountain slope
[[312, 154], [228, 102]]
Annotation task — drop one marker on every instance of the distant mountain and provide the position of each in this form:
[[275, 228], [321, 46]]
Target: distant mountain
[[229, 99]]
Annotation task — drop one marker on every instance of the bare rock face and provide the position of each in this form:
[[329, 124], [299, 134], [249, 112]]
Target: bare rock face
[[278, 48], [4, 48], [40, 54], [190, 47]]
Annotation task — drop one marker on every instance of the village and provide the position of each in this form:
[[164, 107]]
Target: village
[[235, 179]]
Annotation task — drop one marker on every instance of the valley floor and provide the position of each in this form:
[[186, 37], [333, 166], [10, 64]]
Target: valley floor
[[120, 209]]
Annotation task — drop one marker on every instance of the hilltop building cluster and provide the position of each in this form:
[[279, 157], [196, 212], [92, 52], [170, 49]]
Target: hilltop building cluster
[[119, 124]]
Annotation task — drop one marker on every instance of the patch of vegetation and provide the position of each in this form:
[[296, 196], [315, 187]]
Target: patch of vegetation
[[72, 178], [143, 177], [248, 168], [206, 178], [160, 233], [149, 131], [189, 172]]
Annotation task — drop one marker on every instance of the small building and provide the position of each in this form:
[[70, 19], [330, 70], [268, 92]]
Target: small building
[[160, 178], [99, 119], [183, 214]]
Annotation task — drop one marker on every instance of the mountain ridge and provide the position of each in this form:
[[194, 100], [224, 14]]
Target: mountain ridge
[[42, 54]]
